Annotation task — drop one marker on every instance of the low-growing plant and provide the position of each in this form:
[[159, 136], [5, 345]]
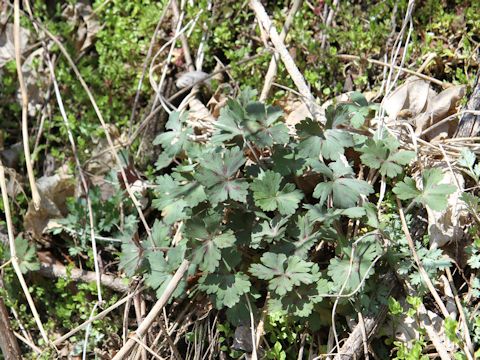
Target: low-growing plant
[[242, 209]]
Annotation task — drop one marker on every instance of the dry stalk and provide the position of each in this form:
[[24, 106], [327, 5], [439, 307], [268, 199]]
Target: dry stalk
[[421, 270], [272, 67], [145, 64], [287, 59], [328, 22], [27, 342], [154, 312], [13, 255], [82, 178], [401, 69], [100, 315], [464, 324], [23, 90], [146, 348]]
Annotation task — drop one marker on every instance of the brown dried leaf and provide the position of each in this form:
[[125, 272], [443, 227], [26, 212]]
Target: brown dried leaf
[[7, 48], [54, 191], [82, 15], [438, 108], [412, 96]]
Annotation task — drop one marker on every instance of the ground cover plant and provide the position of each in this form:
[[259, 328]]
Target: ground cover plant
[[170, 191]]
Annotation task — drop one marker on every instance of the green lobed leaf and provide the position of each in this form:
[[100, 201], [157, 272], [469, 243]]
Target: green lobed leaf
[[384, 155], [218, 174], [269, 197], [26, 255], [176, 138], [345, 191], [314, 142], [225, 288], [300, 302], [351, 271], [434, 195], [162, 269], [208, 237], [282, 273]]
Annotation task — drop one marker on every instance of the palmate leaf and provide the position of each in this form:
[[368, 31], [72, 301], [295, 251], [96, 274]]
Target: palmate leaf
[[229, 123], [225, 288], [432, 260], [282, 273], [363, 255], [162, 269], [467, 162], [208, 237], [131, 258], [384, 155], [254, 121], [175, 139], [218, 174], [345, 191], [174, 199], [434, 195], [314, 142], [300, 301], [26, 255], [269, 197], [319, 213], [306, 238], [269, 231], [132, 255], [161, 234], [286, 161], [263, 126]]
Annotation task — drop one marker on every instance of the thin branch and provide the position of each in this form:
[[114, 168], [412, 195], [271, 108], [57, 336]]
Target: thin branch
[[399, 68], [13, 255], [287, 59], [157, 308], [55, 271], [100, 315], [23, 90], [272, 68], [421, 270]]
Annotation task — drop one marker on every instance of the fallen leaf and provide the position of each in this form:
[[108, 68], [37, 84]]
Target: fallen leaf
[[438, 108], [412, 95], [82, 16], [54, 191], [7, 48]]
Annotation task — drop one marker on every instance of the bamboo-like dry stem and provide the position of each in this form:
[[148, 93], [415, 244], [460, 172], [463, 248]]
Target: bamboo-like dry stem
[[154, 312], [23, 91]]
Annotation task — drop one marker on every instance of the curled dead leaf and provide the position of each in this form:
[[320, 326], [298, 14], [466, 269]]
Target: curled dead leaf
[[82, 16], [7, 48], [54, 191], [412, 95], [439, 107]]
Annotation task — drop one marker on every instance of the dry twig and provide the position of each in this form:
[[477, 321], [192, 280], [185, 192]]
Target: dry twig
[[23, 90], [13, 255], [287, 59], [157, 308], [272, 67]]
